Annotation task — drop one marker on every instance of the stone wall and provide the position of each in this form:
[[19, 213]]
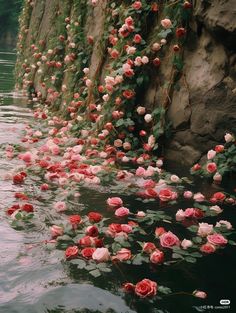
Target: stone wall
[[199, 100]]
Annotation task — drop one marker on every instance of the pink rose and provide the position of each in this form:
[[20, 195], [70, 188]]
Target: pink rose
[[211, 167], [227, 224], [211, 154], [122, 255], [199, 197], [146, 288], [167, 195], [56, 231], [205, 229], [217, 177], [208, 248], [60, 206], [114, 202], [157, 257], [140, 171], [101, 255], [71, 252], [217, 239], [188, 194], [229, 137], [149, 247], [141, 214], [200, 294], [180, 215], [169, 240], [137, 5], [126, 228], [186, 244], [166, 23], [122, 211]]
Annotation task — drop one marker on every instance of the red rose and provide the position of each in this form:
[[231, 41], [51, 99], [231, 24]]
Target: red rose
[[129, 287], [211, 167], [167, 195], [94, 217], [115, 228], [21, 196], [154, 7], [87, 252], [27, 207], [86, 241], [12, 209], [18, 178], [75, 219], [128, 94], [218, 197], [196, 167], [219, 148], [156, 62], [149, 247], [137, 38], [208, 248], [146, 288], [92, 231], [180, 32], [71, 252]]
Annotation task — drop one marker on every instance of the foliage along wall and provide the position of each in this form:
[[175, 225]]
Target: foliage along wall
[[139, 75]]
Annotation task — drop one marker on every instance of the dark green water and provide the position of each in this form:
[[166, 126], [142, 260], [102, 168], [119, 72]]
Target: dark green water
[[33, 277]]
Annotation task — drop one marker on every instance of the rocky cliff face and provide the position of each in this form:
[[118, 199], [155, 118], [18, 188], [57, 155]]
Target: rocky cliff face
[[72, 56]]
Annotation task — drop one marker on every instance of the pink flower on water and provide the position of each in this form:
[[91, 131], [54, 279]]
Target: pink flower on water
[[166, 195], [122, 211], [60, 206], [217, 239], [169, 240], [114, 202], [101, 255]]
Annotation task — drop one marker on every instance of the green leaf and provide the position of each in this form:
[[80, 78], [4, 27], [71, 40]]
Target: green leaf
[[164, 290], [190, 259], [95, 273], [177, 256]]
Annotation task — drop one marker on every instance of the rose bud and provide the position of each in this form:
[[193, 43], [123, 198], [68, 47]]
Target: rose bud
[[176, 48], [199, 294], [156, 62]]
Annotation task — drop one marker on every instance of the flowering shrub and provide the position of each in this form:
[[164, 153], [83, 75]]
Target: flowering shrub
[[220, 161]]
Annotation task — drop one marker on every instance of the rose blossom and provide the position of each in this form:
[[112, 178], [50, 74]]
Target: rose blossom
[[229, 137], [186, 243], [101, 255], [114, 201], [180, 215], [216, 208], [211, 167], [140, 214], [148, 118], [199, 197], [199, 294], [122, 255], [149, 247], [208, 248], [217, 177], [71, 252], [169, 240], [211, 154], [166, 23], [146, 288], [137, 5], [174, 178], [56, 231], [92, 231], [128, 287], [141, 110], [217, 239], [122, 211], [157, 257], [94, 217], [167, 195], [60, 206], [159, 231], [188, 194], [87, 252], [221, 223], [204, 229]]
